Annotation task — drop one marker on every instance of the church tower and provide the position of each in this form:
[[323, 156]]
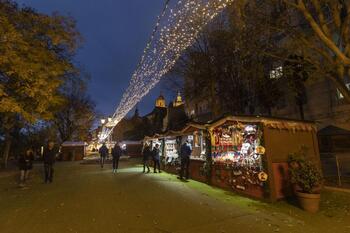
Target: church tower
[[178, 101], [160, 102]]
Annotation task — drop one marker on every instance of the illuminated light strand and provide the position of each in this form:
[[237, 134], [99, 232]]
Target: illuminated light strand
[[170, 37]]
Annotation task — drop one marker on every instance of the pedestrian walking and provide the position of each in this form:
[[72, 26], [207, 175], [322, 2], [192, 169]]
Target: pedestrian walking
[[49, 157], [103, 154], [146, 153], [156, 158], [185, 154], [25, 163], [116, 153]]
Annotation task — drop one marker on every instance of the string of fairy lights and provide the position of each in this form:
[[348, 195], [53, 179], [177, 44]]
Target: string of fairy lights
[[176, 29]]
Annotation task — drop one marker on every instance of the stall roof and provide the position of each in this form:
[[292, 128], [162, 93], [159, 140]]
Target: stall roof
[[272, 122], [193, 127]]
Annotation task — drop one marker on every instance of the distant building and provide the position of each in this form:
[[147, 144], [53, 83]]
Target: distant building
[[161, 119], [178, 101]]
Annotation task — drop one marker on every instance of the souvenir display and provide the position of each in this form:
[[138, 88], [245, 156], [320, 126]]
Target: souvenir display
[[171, 152], [237, 155]]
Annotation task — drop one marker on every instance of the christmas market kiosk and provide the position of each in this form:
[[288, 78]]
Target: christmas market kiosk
[[249, 154], [170, 152], [172, 141], [153, 141], [196, 135]]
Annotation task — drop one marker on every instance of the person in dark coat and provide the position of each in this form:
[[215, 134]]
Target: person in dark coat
[[103, 154], [25, 163], [146, 153], [156, 158], [49, 157], [185, 154], [116, 153]]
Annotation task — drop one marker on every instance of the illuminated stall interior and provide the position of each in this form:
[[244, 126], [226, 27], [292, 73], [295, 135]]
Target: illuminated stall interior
[[237, 147], [171, 150], [195, 135], [248, 154], [153, 141]]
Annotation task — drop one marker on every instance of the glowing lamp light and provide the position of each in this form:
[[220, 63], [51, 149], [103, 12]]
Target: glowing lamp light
[[103, 121]]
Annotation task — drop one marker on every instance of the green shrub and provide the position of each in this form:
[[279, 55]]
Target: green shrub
[[304, 173]]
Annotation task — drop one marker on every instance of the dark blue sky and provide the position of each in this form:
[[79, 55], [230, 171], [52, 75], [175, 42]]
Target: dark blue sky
[[115, 33]]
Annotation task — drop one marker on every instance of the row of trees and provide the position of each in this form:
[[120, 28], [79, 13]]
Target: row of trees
[[42, 92], [232, 59]]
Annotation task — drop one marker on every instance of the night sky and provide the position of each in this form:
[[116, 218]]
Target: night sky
[[115, 33]]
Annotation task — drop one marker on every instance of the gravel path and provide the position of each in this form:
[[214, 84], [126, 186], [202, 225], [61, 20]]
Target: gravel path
[[85, 198]]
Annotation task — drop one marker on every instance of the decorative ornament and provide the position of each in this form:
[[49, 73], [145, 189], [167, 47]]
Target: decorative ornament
[[260, 150], [263, 176]]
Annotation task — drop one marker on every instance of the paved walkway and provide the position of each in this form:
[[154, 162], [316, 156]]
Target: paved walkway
[[85, 198]]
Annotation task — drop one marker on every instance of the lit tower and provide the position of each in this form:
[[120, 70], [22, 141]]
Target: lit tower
[[178, 101], [160, 101]]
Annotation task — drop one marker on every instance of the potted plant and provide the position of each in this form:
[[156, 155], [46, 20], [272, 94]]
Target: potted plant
[[306, 177]]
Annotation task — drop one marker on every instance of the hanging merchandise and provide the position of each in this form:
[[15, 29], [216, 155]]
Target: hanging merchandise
[[237, 147], [171, 152]]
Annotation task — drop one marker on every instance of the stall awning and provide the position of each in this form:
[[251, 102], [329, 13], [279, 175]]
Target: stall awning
[[274, 123]]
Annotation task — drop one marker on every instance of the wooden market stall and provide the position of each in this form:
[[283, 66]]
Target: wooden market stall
[[73, 151], [170, 144], [244, 154], [250, 154], [195, 134]]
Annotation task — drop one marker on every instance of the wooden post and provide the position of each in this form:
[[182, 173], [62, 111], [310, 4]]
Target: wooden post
[[338, 170], [271, 182]]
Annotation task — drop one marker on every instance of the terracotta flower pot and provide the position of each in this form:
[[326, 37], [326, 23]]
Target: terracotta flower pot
[[309, 202]]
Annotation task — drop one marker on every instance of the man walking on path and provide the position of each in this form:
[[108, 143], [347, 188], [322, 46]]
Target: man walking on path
[[185, 154], [146, 153], [49, 157], [156, 158], [103, 154], [116, 153]]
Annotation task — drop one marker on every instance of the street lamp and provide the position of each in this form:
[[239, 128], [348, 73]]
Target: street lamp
[[103, 121], [109, 119]]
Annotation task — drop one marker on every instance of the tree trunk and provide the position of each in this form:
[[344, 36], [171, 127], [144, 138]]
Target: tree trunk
[[8, 142], [208, 163]]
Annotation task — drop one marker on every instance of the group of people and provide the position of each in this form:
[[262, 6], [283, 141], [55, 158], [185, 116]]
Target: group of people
[[26, 159], [116, 154], [25, 164], [155, 154]]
